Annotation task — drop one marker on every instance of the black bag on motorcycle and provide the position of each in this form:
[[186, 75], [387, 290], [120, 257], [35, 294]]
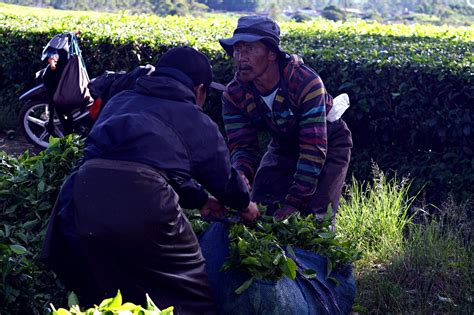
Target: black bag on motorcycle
[[72, 91]]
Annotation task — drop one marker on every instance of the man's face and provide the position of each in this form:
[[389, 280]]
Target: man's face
[[252, 59]]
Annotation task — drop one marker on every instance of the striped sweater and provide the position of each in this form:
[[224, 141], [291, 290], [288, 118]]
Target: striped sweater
[[297, 125]]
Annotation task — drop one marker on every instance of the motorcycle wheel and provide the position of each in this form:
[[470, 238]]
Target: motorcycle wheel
[[34, 116]]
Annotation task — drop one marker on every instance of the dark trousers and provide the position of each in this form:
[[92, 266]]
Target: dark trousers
[[275, 174], [130, 234]]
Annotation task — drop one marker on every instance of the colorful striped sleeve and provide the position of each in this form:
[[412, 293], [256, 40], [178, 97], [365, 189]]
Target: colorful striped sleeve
[[241, 137], [312, 98]]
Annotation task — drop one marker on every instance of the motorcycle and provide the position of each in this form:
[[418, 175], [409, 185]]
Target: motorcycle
[[40, 117]]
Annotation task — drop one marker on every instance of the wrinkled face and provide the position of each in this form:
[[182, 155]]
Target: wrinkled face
[[252, 59]]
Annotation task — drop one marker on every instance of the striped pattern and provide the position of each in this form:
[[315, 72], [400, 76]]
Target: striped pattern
[[299, 109]]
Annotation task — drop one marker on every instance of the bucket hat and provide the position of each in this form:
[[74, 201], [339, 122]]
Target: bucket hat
[[254, 28]]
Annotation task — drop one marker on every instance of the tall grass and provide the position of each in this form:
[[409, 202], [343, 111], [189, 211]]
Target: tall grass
[[374, 215], [420, 263], [433, 273]]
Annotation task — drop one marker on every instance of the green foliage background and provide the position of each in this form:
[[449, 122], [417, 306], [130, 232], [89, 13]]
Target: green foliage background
[[29, 186], [440, 8], [411, 87]]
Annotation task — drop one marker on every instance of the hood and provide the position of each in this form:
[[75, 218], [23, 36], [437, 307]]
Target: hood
[[165, 87]]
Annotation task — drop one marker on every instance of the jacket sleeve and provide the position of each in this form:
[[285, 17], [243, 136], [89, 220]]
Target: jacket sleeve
[[191, 194], [242, 138], [312, 139], [212, 169]]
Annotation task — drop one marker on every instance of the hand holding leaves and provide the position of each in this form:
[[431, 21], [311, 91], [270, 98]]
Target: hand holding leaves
[[250, 213], [212, 208]]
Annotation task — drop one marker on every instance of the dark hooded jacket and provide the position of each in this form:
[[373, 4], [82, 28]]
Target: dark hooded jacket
[[158, 124]]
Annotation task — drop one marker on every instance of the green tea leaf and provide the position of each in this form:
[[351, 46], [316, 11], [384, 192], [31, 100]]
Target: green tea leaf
[[328, 213], [72, 299], [276, 261], [309, 273], [30, 224], [116, 301], [39, 168], [128, 307], [11, 209], [251, 261], [290, 251], [53, 144], [288, 267], [105, 303], [18, 249], [333, 280], [242, 246], [328, 267], [150, 305], [327, 235], [61, 311], [4, 193], [167, 311], [41, 186], [244, 286]]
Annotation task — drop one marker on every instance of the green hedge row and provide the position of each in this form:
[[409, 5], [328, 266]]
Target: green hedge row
[[411, 87]]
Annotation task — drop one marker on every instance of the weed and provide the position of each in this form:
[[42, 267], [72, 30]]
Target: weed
[[422, 267], [375, 216]]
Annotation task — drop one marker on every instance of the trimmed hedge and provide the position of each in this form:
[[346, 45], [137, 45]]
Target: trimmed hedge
[[411, 87]]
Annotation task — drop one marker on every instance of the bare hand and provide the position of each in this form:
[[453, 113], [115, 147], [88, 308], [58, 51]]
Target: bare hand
[[52, 62], [213, 208], [250, 213]]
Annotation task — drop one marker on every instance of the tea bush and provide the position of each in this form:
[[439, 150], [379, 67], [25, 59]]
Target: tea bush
[[114, 306], [29, 186], [411, 87]]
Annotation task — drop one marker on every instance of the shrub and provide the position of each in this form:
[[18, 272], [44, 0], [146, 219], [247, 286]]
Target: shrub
[[114, 306], [28, 189], [333, 13], [411, 87]]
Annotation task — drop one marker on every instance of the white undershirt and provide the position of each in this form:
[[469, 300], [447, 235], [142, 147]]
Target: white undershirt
[[269, 98]]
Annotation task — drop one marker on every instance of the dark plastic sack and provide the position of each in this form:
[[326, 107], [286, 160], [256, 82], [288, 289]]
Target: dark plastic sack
[[303, 296], [72, 91], [324, 296], [128, 80], [99, 86], [111, 83]]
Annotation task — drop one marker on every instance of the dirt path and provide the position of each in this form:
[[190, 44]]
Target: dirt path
[[16, 145]]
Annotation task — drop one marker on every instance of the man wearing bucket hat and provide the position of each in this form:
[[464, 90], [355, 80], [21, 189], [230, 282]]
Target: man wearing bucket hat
[[306, 162], [118, 222]]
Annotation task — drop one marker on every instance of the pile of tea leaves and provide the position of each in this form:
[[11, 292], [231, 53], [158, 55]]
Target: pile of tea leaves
[[263, 249]]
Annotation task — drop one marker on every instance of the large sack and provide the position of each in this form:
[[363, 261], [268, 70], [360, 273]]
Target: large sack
[[325, 296], [303, 296], [72, 91], [111, 83]]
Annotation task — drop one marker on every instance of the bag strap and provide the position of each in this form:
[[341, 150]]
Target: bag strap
[[73, 45], [74, 50]]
